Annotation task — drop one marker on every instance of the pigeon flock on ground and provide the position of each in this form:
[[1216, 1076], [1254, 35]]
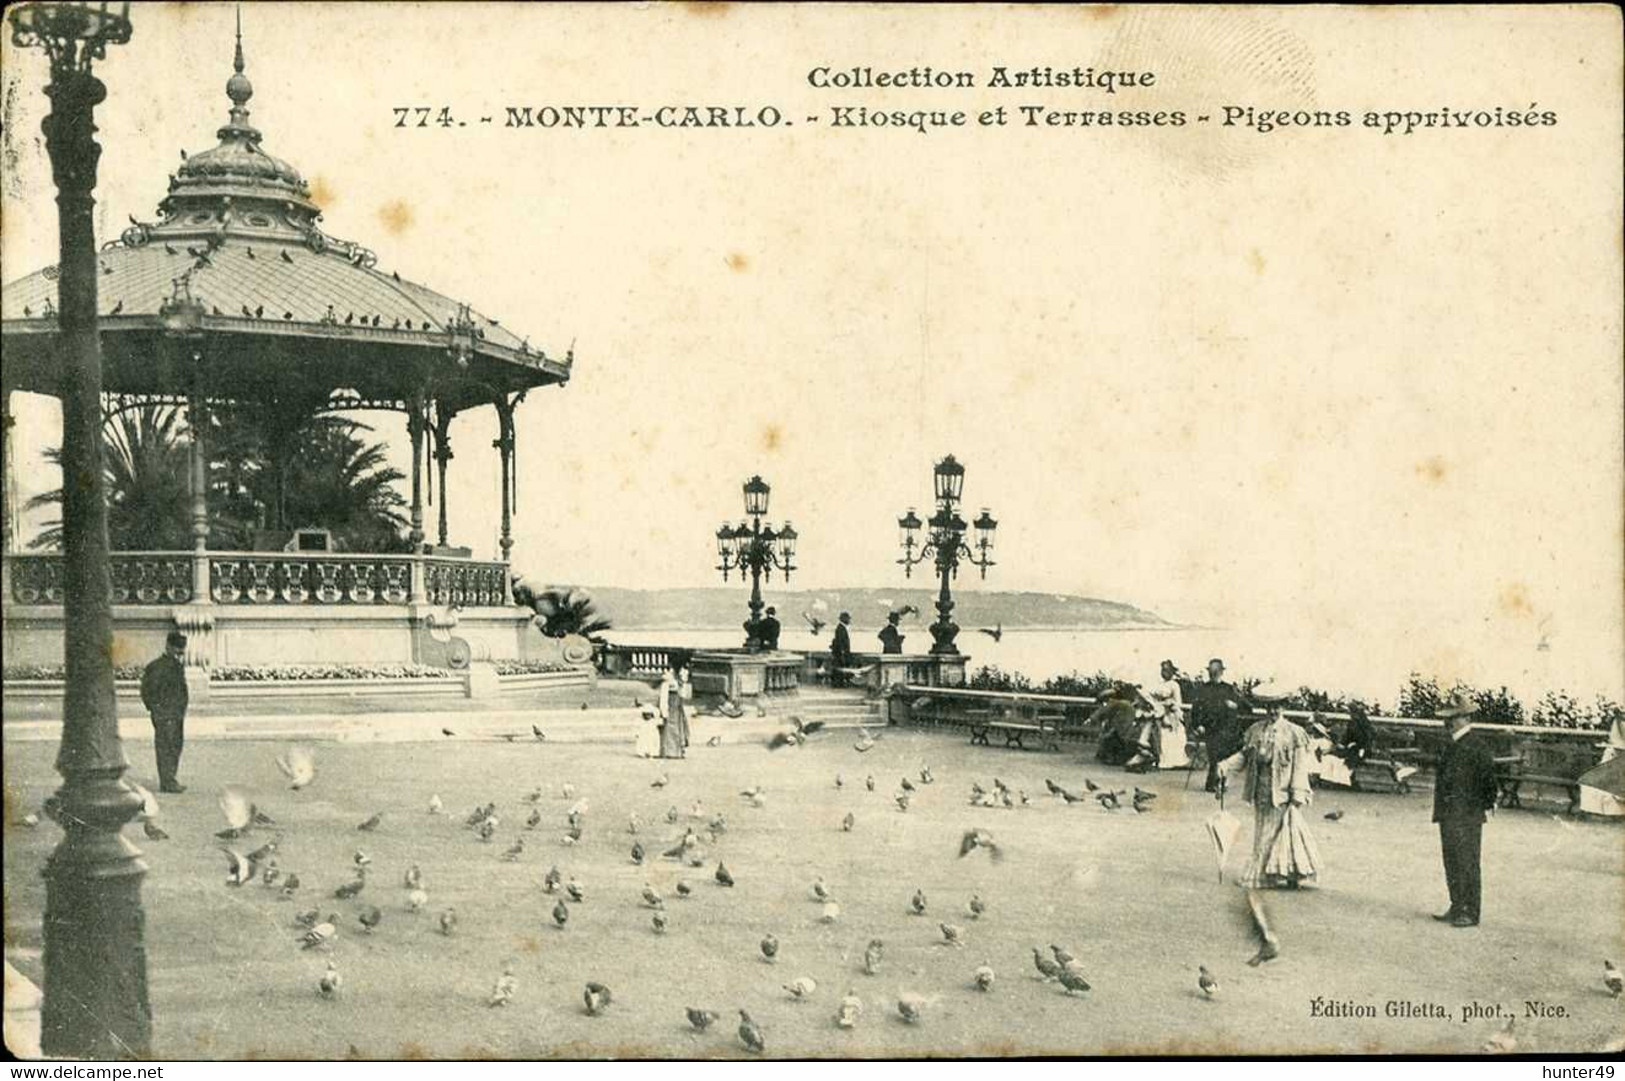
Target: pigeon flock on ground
[[254, 846]]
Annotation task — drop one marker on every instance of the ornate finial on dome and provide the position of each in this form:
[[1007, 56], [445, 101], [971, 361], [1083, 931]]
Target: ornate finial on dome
[[238, 88]]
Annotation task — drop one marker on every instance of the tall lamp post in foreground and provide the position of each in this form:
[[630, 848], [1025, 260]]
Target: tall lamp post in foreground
[[95, 956], [946, 544], [756, 548]]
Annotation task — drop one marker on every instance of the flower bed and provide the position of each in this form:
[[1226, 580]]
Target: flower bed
[[57, 672], [264, 673], [530, 668]]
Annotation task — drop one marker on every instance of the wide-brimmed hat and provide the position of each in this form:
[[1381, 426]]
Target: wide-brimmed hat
[[1457, 705], [1268, 693]]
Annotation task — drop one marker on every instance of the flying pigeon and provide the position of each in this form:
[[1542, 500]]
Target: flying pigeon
[[979, 838], [750, 1033], [239, 868], [597, 997], [996, 633], [239, 812]]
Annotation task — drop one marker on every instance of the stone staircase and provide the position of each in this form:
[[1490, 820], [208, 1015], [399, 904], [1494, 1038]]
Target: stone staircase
[[837, 708]]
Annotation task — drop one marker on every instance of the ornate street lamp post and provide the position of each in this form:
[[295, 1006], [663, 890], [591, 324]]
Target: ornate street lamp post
[[95, 956], [946, 544], [757, 548]]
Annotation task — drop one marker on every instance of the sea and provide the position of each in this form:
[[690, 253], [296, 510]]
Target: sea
[[1373, 667]]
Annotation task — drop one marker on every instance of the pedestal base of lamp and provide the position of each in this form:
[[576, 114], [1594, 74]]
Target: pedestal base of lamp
[[95, 985]]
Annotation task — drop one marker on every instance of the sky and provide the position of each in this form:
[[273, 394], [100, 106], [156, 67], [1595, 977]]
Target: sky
[[1367, 384]]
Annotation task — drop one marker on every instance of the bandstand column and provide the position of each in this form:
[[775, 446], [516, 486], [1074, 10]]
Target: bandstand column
[[505, 446], [415, 428], [198, 484], [442, 455]]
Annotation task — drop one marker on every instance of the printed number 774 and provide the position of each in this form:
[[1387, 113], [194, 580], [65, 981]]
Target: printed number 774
[[405, 115]]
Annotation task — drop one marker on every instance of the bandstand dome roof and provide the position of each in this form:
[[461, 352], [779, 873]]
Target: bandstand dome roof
[[271, 306]]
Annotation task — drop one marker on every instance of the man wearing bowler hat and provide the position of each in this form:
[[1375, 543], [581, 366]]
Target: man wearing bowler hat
[[163, 692], [1463, 790]]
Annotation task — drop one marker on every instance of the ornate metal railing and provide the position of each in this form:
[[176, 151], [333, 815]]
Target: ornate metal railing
[[270, 578], [300, 578], [137, 578], [464, 582]]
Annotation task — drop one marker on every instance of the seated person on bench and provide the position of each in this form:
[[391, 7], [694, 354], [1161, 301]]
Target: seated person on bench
[[1124, 737]]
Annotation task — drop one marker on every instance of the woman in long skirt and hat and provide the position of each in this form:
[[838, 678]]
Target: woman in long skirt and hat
[[1274, 763]]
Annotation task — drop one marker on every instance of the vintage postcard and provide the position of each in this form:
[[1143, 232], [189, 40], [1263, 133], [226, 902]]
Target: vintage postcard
[[834, 531]]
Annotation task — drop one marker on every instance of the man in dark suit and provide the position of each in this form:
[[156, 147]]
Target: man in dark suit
[[768, 629], [163, 692], [891, 635], [1463, 790], [1216, 718], [840, 651]]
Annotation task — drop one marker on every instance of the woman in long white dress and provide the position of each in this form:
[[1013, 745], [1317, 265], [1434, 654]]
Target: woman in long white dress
[[1168, 735], [1274, 763]]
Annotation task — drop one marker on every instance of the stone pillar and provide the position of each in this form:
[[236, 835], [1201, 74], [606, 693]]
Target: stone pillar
[[442, 455]]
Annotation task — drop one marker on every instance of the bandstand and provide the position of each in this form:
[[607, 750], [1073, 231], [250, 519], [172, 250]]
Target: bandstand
[[236, 298]]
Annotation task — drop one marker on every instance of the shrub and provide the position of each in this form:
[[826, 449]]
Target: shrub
[[59, 672], [521, 668], [259, 673]]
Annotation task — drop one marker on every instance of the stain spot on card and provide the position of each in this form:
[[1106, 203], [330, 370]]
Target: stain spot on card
[[1514, 600], [707, 9], [397, 216], [772, 437], [322, 192], [1433, 469], [737, 261], [1256, 260]]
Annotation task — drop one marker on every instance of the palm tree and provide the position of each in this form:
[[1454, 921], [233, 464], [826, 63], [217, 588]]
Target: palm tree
[[145, 458], [318, 472], [563, 611]]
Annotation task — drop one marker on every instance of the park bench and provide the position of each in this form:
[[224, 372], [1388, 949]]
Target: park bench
[[1537, 764]]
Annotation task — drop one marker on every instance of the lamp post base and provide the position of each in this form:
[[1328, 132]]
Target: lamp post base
[[96, 1004]]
